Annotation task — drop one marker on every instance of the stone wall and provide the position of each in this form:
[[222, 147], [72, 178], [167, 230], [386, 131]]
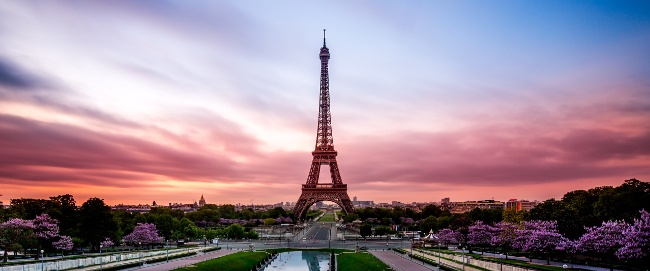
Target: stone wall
[[82, 262]]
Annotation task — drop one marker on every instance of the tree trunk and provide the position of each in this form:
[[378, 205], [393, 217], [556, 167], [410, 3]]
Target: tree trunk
[[4, 257]]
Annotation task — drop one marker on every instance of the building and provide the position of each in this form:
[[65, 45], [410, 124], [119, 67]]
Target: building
[[463, 207], [520, 205], [201, 201]]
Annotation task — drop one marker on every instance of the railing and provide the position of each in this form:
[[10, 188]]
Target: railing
[[325, 186]]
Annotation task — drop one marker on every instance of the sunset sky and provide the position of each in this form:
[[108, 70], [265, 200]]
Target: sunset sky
[[136, 101]]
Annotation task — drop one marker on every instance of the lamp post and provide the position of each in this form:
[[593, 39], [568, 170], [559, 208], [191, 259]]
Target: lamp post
[[140, 252], [167, 245], [329, 240], [412, 240], [501, 261], [439, 251], [463, 251], [42, 263], [101, 262]]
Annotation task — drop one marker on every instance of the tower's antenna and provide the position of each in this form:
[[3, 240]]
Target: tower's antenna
[[324, 38]]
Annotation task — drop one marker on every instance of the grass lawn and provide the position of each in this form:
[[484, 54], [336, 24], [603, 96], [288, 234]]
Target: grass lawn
[[360, 262], [328, 217], [240, 261]]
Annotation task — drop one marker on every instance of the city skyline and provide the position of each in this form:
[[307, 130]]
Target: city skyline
[[140, 101]]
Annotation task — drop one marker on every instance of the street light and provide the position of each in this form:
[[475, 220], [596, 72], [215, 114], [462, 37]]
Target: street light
[[140, 252], [330, 239], [412, 242], [167, 245], [42, 263], [463, 251], [501, 261], [101, 262]]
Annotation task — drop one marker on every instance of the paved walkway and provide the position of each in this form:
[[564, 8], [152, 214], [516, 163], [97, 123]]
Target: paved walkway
[[398, 263], [543, 262], [164, 266], [172, 264]]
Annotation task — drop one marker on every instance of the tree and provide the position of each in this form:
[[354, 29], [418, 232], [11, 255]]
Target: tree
[[605, 239], [64, 209], [106, 243], [227, 211], [277, 212], [480, 234], [447, 236], [45, 228], [96, 222], [252, 235], [235, 231], [365, 230], [382, 230], [429, 223], [488, 216], [637, 238], [12, 232], [505, 235], [514, 216], [28, 208], [349, 218], [269, 222], [539, 236], [64, 243], [143, 234], [433, 210], [165, 225]]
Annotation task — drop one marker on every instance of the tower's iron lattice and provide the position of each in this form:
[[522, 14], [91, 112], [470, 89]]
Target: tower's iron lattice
[[324, 154]]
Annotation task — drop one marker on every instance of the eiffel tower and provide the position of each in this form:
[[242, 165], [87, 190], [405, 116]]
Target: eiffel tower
[[324, 154]]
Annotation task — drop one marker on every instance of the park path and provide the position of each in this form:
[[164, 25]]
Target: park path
[[159, 266], [164, 266], [398, 263]]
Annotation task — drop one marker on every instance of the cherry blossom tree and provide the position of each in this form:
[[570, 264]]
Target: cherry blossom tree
[[480, 234], [605, 239], [637, 239], [447, 236], [569, 247], [64, 243], [12, 233], [538, 236], [505, 235], [143, 234], [106, 243], [45, 228]]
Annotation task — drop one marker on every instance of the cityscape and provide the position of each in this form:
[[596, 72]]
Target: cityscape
[[469, 136]]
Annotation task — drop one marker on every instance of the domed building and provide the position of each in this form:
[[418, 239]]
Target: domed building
[[201, 201]]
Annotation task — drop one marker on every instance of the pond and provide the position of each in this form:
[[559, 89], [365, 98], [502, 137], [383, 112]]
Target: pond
[[300, 261]]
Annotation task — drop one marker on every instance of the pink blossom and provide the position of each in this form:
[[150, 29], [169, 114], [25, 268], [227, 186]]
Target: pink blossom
[[107, 243], [64, 243], [45, 227], [637, 238], [143, 233], [481, 234], [604, 239]]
